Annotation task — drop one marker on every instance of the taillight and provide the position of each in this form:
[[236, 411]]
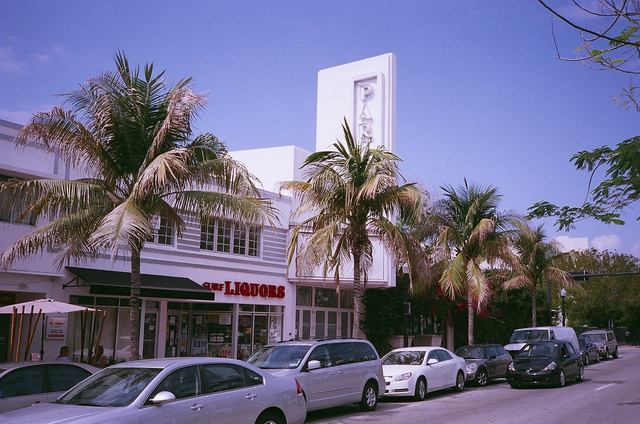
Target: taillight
[[298, 388]]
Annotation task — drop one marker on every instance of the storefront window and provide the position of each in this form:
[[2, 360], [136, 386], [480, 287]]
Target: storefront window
[[257, 327], [303, 296], [326, 298]]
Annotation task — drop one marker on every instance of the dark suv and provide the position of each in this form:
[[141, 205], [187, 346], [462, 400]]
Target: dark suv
[[606, 342], [331, 372]]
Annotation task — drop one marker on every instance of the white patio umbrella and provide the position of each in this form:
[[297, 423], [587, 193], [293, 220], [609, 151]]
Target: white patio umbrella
[[41, 307]]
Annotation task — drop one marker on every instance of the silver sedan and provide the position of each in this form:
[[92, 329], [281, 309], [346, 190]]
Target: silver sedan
[[158, 391]]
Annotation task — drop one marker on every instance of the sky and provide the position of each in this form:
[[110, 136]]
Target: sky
[[480, 92]]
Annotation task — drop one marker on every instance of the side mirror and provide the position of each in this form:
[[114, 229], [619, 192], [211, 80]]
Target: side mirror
[[162, 397], [432, 361], [314, 364]]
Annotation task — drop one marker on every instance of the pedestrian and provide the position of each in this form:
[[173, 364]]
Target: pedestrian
[[64, 355]]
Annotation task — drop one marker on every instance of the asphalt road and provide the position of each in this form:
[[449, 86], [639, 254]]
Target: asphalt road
[[609, 394]]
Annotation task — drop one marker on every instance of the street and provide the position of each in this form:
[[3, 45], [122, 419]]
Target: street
[[610, 393]]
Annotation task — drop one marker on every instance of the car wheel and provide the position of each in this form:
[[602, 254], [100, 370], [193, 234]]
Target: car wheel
[[269, 418], [482, 378], [421, 389], [459, 382], [597, 357], [615, 353], [514, 385], [561, 379], [369, 398], [606, 354], [580, 376], [586, 359]]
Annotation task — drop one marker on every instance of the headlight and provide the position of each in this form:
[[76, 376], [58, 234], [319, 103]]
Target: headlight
[[402, 377], [512, 367], [552, 366], [472, 367]]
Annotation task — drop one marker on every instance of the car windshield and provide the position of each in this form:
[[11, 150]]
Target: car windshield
[[470, 352], [597, 337], [111, 387], [407, 357], [520, 336], [547, 350], [279, 357]]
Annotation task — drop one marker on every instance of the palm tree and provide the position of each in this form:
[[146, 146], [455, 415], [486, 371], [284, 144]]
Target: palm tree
[[352, 194], [131, 133], [470, 231], [536, 260]]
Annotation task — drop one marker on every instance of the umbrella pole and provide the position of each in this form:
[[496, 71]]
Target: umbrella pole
[[83, 328], [104, 315], [29, 336], [32, 334], [44, 319], [19, 335], [12, 334]]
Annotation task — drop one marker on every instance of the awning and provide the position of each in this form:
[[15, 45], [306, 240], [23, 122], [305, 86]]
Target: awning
[[163, 286]]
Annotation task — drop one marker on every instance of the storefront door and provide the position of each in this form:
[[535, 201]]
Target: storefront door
[[149, 336]]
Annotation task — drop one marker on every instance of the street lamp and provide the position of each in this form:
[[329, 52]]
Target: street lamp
[[406, 305], [563, 294]]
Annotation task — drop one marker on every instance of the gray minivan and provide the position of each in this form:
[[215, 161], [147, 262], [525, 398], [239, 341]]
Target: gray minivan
[[331, 372]]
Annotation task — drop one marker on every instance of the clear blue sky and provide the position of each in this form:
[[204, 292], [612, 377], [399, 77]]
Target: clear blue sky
[[480, 93]]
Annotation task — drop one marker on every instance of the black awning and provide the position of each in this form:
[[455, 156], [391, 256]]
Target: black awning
[[119, 283]]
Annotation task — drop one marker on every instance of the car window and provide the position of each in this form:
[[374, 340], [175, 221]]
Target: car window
[[342, 353], [219, 377], [443, 355], [501, 350], [321, 353], [279, 357], [22, 381], [491, 351], [570, 349], [433, 355], [364, 352], [183, 383], [62, 377], [252, 378]]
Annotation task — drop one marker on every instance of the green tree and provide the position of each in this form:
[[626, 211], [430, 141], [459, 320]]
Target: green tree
[[131, 133], [350, 195], [536, 260], [471, 231]]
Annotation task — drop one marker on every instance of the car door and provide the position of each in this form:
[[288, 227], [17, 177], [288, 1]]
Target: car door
[[448, 368], [347, 379], [318, 384], [570, 360], [190, 406], [434, 371]]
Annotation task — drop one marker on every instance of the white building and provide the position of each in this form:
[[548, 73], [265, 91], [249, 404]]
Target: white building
[[199, 297]]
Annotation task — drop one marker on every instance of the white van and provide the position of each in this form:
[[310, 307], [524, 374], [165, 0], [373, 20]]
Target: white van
[[522, 336]]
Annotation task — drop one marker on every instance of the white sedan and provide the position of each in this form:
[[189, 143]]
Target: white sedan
[[416, 371]]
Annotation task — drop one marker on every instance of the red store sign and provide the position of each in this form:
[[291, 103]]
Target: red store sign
[[237, 288]]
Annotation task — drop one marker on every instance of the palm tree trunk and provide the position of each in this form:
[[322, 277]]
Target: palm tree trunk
[[533, 307], [471, 316], [357, 294], [134, 306]]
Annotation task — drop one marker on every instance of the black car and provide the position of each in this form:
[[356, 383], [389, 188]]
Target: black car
[[549, 363], [588, 350], [484, 362]]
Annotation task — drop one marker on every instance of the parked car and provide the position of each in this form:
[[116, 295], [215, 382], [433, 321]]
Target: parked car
[[546, 363], [521, 336], [331, 372], [484, 362], [588, 350], [170, 390], [416, 371], [26, 383], [606, 342]]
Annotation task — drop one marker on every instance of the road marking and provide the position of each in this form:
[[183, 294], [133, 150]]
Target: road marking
[[604, 387]]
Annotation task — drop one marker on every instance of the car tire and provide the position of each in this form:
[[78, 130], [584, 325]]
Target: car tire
[[269, 418], [580, 376], [586, 359], [606, 354], [369, 397], [514, 386], [615, 353], [482, 378], [421, 389], [459, 382], [561, 379], [597, 358]]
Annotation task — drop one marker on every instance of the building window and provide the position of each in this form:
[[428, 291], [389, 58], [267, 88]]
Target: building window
[[12, 216], [227, 237], [163, 231]]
